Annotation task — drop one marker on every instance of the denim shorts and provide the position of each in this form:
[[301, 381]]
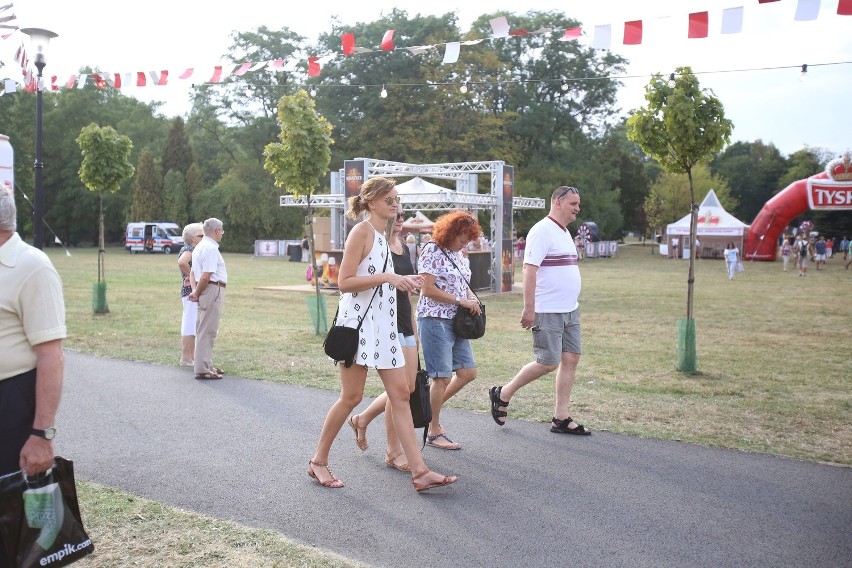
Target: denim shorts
[[443, 352], [407, 341], [555, 334]]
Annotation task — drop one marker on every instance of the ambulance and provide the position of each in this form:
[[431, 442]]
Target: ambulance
[[153, 236]]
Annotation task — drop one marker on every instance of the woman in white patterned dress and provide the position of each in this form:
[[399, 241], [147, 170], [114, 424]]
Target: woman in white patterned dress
[[360, 273]]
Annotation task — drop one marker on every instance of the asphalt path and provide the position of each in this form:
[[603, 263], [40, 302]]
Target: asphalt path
[[238, 449]]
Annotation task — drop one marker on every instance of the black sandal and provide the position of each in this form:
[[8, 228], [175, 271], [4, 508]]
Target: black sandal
[[496, 403], [561, 427]]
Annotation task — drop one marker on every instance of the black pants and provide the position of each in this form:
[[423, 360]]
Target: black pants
[[17, 412]]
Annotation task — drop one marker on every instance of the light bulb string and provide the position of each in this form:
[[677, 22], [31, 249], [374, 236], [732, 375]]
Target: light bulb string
[[561, 81]]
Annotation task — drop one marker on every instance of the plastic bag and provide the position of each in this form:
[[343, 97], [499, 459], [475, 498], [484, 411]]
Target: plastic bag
[[740, 267], [40, 522]]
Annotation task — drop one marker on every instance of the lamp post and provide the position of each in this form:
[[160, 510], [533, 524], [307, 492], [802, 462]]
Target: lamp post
[[39, 40]]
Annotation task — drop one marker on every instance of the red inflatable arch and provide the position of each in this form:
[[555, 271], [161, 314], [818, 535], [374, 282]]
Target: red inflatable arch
[[829, 190]]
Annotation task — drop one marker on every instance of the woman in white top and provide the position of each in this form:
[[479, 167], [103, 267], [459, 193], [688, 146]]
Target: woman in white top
[[732, 257], [364, 255]]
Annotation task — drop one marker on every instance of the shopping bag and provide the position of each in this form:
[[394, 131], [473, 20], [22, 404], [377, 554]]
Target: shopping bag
[[740, 267], [421, 405], [40, 523]]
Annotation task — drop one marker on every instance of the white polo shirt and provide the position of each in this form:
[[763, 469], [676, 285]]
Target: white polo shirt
[[32, 309], [551, 248]]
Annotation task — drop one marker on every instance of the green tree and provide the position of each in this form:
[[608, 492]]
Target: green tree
[[681, 126], [669, 196], [753, 170], [194, 181], [105, 165], [177, 153], [301, 156], [147, 191], [175, 206]]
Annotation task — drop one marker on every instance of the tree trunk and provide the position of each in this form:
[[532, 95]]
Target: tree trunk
[[309, 232], [101, 251], [693, 221]]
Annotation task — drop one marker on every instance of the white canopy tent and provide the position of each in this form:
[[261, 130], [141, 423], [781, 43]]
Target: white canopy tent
[[715, 228]]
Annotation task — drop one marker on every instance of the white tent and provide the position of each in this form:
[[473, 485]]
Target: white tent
[[419, 185], [418, 223], [716, 227]]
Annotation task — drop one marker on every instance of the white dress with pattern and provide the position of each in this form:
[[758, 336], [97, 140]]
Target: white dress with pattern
[[378, 342]]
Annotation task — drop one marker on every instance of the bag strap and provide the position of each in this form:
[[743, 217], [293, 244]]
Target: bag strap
[[376, 291], [460, 273]]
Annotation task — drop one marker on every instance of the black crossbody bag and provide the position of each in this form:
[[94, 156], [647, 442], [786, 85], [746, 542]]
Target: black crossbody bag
[[465, 324]]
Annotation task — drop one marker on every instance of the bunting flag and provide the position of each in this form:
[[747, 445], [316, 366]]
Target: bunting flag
[[698, 25], [313, 67], [732, 20], [387, 41], [635, 32]]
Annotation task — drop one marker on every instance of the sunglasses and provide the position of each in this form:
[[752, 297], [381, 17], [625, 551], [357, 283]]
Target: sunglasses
[[392, 200], [568, 190], [400, 217]]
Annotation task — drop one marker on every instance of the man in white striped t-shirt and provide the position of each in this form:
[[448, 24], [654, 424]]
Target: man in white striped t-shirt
[[551, 311]]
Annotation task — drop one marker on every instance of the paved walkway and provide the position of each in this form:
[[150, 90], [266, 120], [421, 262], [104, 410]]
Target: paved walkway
[[238, 449]]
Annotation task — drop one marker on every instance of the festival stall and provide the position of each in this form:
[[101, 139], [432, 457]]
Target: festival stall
[[715, 229]]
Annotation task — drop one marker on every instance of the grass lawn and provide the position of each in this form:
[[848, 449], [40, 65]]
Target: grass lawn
[[773, 360]]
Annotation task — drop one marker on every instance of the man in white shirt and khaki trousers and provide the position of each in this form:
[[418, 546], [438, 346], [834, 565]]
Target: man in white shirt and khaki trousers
[[211, 279]]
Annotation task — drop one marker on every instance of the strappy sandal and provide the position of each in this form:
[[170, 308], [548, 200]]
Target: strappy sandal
[[390, 460], [496, 403], [561, 427], [333, 483], [453, 445], [208, 376], [420, 487], [360, 442]]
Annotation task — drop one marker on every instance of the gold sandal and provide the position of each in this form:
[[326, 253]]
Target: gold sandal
[[360, 442], [390, 460], [420, 487], [333, 483]]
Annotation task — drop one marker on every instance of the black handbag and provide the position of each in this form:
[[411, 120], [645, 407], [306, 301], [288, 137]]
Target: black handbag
[[40, 523], [421, 404], [466, 324], [341, 342]]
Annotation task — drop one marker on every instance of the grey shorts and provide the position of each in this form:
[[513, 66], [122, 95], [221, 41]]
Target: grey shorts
[[555, 334]]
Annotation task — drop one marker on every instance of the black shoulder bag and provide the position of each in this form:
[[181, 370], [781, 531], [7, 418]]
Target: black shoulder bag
[[465, 324], [341, 342], [421, 404]]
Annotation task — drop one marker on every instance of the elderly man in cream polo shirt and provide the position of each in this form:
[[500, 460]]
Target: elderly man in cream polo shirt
[[32, 327], [211, 278]]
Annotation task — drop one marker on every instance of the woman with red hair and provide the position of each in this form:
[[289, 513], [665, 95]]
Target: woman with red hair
[[449, 359]]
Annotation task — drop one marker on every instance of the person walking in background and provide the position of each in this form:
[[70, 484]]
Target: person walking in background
[[446, 273], [366, 272], [844, 246], [32, 365], [551, 310], [697, 250], [732, 257], [675, 247], [829, 248], [192, 235], [786, 252], [820, 252], [407, 332], [211, 278], [801, 250]]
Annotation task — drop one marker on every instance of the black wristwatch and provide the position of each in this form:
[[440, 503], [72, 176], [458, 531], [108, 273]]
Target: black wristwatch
[[48, 433]]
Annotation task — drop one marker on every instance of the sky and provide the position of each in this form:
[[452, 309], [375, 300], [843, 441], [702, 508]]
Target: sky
[[774, 106]]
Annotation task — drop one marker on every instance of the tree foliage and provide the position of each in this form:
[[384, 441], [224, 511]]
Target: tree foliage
[[147, 200], [681, 126], [175, 202], [669, 198], [177, 153]]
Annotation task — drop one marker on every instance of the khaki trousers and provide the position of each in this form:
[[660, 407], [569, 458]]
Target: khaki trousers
[[207, 326]]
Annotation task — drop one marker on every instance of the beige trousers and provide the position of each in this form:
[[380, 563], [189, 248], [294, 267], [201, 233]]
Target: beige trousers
[[207, 326]]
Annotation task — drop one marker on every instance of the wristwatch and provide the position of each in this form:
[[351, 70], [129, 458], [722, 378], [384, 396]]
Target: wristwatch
[[458, 300], [48, 433]]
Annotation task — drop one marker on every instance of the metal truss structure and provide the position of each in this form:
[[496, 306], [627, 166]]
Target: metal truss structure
[[465, 196]]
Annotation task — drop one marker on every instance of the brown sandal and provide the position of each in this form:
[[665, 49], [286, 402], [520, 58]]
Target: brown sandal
[[390, 460], [360, 442], [334, 483], [420, 487]]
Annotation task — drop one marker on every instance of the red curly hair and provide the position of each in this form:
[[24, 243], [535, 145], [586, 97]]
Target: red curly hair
[[453, 224]]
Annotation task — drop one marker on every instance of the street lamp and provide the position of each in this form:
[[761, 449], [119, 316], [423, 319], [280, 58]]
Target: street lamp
[[39, 40]]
